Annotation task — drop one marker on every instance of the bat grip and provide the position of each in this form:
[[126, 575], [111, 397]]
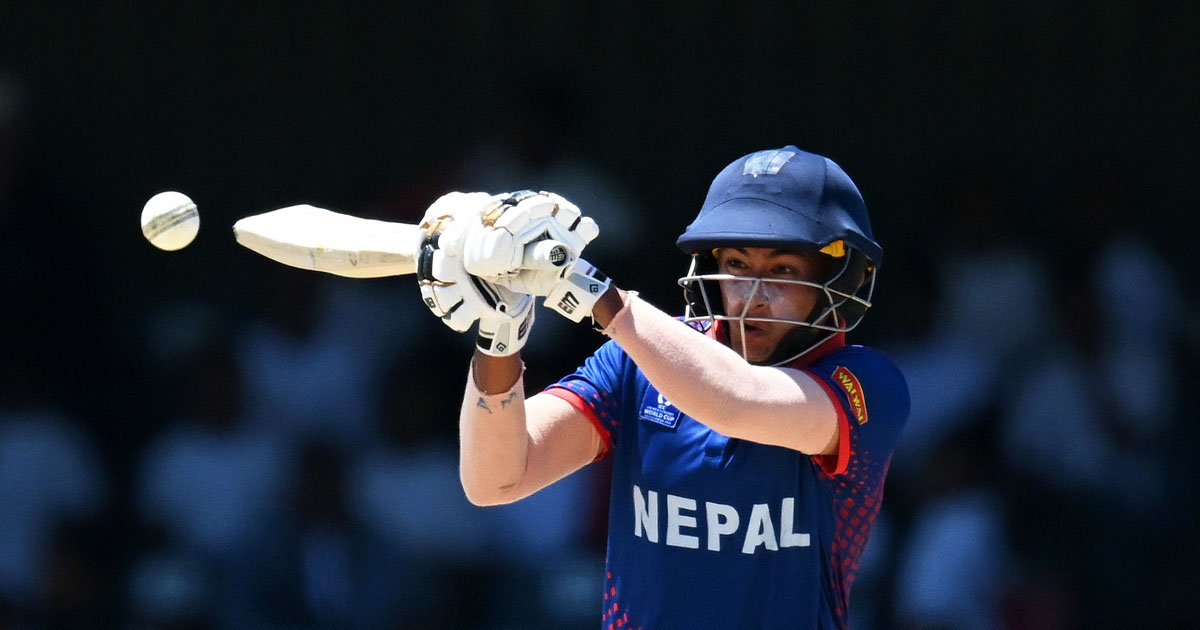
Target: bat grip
[[545, 255]]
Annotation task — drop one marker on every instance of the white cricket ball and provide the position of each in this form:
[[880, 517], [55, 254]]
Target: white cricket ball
[[170, 220]]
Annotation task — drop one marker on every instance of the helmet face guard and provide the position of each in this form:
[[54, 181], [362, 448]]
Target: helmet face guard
[[842, 301]]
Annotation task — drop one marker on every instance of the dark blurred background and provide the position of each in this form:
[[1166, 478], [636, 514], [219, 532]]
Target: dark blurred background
[[205, 438]]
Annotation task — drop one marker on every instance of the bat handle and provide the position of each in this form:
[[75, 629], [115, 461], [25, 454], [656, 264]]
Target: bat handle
[[546, 255]]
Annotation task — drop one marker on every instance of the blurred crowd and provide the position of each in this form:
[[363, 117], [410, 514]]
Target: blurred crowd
[[291, 460]]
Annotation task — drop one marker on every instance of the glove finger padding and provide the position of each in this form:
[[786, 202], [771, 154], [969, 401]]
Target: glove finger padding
[[565, 224], [459, 206], [492, 252], [510, 226]]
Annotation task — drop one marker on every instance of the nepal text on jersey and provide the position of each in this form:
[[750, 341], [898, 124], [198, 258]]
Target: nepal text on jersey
[[722, 523]]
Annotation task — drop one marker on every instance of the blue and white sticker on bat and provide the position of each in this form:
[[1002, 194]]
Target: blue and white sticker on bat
[[657, 409]]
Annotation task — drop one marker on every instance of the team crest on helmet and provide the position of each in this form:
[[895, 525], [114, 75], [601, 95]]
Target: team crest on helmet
[[766, 162]]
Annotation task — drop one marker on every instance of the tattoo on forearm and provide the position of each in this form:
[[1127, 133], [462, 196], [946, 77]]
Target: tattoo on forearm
[[482, 402]]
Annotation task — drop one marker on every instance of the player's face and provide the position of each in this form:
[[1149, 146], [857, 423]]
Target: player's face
[[775, 300]]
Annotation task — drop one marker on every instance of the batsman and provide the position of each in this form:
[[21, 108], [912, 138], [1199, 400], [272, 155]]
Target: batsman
[[750, 439]]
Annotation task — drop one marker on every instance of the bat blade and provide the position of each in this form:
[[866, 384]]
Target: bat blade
[[308, 237]]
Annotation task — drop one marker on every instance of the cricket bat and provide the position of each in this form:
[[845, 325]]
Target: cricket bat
[[308, 237]]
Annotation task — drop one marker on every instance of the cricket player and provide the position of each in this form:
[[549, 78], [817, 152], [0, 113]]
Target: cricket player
[[750, 440]]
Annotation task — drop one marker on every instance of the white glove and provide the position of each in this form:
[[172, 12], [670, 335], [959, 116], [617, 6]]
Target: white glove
[[496, 252], [439, 259], [504, 335], [458, 298], [576, 295]]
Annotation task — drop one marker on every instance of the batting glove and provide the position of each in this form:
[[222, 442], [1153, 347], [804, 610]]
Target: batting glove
[[458, 298], [511, 223], [501, 335], [574, 296]]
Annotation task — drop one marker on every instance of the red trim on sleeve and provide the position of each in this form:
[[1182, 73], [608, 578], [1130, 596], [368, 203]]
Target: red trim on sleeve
[[577, 402], [834, 465]]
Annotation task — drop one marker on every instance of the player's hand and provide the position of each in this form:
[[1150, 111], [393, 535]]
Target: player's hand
[[512, 222], [455, 296]]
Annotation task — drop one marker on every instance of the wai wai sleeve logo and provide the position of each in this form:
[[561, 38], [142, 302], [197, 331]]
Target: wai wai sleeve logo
[[849, 382]]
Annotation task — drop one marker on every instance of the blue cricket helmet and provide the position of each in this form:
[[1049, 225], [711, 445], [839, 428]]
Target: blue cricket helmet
[[782, 198], [785, 199]]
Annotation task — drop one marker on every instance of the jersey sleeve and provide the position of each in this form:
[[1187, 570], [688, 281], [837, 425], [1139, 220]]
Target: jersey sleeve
[[872, 401], [595, 388]]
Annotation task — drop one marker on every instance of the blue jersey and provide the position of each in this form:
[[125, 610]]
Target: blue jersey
[[707, 531]]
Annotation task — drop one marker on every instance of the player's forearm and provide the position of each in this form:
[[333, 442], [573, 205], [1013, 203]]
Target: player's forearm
[[713, 384], [493, 437]]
